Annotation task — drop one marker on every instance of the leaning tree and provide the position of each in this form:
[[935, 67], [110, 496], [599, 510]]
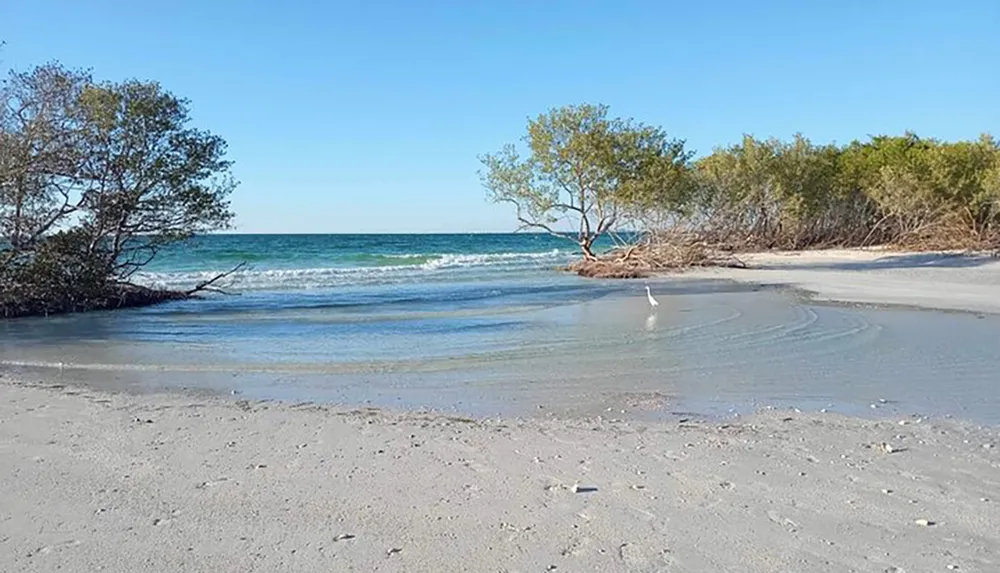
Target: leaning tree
[[586, 174]]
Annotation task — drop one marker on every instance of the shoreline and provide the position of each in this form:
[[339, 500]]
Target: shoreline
[[166, 482], [665, 362], [947, 281], [952, 280], [123, 481]]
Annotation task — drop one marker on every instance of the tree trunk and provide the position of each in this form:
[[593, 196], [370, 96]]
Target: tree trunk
[[586, 247]]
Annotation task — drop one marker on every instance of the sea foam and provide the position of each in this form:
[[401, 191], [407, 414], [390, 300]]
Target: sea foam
[[436, 267]]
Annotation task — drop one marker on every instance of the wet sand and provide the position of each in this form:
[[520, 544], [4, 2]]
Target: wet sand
[[103, 482]]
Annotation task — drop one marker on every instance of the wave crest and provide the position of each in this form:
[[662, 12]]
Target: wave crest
[[414, 267]]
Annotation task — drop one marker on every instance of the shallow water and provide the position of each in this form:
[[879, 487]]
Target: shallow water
[[537, 343]]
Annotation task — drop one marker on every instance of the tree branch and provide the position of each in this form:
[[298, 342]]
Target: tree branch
[[568, 207], [207, 286], [525, 223]]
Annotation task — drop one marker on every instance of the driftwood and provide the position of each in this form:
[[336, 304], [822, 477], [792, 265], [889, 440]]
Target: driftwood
[[641, 260], [208, 286]]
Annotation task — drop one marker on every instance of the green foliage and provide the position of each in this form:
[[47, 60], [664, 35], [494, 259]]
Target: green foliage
[[771, 193], [58, 276], [94, 179], [903, 190], [167, 181], [40, 152], [586, 171]]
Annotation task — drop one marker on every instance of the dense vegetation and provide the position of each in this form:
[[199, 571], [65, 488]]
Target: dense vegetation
[[898, 190], [95, 178], [902, 190]]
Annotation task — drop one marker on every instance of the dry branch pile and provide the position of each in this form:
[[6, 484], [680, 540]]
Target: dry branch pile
[[664, 252]]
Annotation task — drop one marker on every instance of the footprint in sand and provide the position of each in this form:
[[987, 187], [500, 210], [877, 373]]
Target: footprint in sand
[[211, 483], [46, 549], [576, 545], [783, 521], [165, 520], [476, 466], [639, 558]]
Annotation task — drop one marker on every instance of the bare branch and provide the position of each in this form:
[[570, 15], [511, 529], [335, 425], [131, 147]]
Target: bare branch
[[207, 286], [525, 224]]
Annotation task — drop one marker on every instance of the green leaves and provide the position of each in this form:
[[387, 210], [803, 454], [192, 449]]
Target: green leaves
[[107, 172], [586, 173], [775, 194]]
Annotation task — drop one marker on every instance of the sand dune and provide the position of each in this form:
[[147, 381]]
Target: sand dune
[[92, 481]]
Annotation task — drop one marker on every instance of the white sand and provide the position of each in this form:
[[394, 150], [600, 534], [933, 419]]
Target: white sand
[[92, 481], [949, 281]]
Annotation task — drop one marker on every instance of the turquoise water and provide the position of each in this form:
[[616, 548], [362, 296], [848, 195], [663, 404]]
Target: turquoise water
[[486, 324], [309, 262]]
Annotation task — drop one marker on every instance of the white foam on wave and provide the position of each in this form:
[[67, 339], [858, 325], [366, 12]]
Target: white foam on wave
[[439, 267], [491, 259]]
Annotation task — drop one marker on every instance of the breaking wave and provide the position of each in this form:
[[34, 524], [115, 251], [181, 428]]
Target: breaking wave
[[369, 270]]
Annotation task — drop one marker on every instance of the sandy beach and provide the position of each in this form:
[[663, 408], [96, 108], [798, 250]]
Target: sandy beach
[[944, 281], [462, 287], [102, 481]]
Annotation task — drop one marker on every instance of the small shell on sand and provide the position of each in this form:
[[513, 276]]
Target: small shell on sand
[[924, 522]]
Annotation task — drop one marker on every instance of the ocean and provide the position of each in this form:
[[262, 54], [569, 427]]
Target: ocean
[[316, 262], [487, 324]]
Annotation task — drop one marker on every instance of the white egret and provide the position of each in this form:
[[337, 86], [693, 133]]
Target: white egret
[[652, 301]]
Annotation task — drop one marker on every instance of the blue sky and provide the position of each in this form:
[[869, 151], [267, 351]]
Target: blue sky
[[367, 116]]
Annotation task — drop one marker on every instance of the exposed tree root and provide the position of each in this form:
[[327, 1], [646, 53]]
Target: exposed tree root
[[111, 297]]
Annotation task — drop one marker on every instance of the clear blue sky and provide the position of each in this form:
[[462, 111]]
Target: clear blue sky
[[367, 116]]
